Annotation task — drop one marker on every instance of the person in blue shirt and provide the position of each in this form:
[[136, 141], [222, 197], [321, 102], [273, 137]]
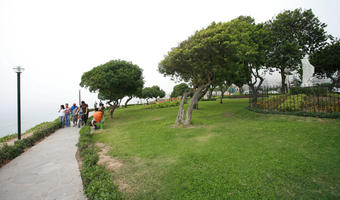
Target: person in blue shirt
[[74, 114]]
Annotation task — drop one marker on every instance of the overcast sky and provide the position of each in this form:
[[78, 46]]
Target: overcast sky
[[57, 40]]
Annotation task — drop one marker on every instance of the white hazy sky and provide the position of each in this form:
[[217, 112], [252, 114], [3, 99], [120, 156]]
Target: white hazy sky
[[57, 40]]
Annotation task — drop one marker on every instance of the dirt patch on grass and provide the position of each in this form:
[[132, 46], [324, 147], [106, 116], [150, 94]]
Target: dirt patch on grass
[[157, 118], [80, 162], [11, 141], [228, 114], [111, 164], [190, 126], [204, 138]]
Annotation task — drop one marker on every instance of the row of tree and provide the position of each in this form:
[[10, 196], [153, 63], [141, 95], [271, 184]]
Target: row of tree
[[241, 52], [117, 79]]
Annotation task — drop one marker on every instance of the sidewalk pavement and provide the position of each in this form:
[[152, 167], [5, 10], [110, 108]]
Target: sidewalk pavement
[[49, 170]]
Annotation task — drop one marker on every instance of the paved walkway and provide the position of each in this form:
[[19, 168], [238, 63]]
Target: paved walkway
[[48, 170]]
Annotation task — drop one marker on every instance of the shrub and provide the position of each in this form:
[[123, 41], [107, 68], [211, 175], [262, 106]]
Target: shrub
[[293, 103], [97, 181], [8, 153], [309, 90], [165, 103]]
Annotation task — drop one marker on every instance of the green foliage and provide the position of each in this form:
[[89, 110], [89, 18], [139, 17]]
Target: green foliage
[[9, 152], [293, 103], [8, 137], [33, 129], [294, 34], [157, 92], [97, 181], [165, 103], [113, 80], [152, 92], [227, 152], [311, 101], [327, 62], [179, 90], [309, 90]]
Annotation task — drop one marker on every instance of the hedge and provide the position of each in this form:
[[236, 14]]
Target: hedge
[[317, 90], [9, 152], [333, 115], [97, 181]]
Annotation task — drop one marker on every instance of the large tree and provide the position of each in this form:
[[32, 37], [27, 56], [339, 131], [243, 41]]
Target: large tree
[[179, 90], [157, 92], [294, 34], [113, 81], [327, 62], [152, 92], [198, 60], [251, 43]]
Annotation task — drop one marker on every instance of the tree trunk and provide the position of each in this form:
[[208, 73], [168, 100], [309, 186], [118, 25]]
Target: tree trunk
[[283, 81], [126, 102], [241, 90], [112, 109], [210, 92], [254, 95], [204, 91], [222, 94], [193, 100], [180, 115]]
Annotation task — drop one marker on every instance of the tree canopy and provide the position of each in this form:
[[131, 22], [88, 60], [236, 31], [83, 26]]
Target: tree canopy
[[152, 92], [113, 81], [327, 62], [294, 34], [179, 90]]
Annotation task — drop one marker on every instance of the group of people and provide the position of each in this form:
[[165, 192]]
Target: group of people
[[68, 114]]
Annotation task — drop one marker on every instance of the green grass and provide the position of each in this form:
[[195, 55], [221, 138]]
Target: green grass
[[228, 152]]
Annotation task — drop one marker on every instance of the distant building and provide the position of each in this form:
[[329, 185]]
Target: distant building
[[308, 78]]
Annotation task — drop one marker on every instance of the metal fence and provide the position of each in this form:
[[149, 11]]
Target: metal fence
[[312, 100]]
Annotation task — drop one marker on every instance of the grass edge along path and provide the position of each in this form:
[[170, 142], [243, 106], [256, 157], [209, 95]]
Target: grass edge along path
[[97, 182], [228, 152]]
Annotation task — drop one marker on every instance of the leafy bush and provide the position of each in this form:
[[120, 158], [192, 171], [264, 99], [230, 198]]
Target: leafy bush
[[211, 99], [165, 103], [8, 153], [97, 181], [309, 90], [35, 128], [293, 103], [333, 115]]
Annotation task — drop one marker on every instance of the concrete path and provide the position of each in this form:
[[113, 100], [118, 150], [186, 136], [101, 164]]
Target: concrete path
[[48, 170]]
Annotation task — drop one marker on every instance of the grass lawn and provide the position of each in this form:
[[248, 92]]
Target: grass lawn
[[227, 153]]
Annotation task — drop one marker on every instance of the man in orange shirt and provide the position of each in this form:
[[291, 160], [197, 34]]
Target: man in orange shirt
[[97, 117]]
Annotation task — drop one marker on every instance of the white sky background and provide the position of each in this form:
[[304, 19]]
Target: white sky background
[[57, 40]]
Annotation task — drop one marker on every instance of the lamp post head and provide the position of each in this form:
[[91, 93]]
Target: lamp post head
[[18, 69]]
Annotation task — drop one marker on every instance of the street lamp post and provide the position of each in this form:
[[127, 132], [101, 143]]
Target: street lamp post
[[19, 70]]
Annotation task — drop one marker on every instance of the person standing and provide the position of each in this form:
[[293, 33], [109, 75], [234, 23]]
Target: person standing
[[74, 109], [95, 104], [67, 115], [62, 115], [85, 110]]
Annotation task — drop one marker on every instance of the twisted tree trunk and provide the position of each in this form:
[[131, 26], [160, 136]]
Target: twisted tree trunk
[[126, 102], [180, 115], [193, 101]]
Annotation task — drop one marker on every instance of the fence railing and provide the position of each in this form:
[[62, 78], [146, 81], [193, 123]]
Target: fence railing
[[312, 100]]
